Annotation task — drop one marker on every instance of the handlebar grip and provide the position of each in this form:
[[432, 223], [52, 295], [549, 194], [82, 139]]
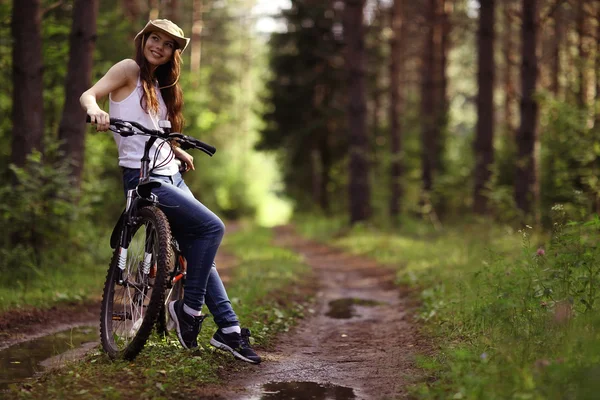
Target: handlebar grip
[[211, 149], [88, 120]]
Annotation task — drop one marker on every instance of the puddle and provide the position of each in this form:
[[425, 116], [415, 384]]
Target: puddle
[[305, 391], [344, 308], [23, 360]]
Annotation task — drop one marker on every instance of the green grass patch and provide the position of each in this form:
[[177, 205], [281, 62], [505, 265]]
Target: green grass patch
[[74, 273], [269, 293], [513, 314]]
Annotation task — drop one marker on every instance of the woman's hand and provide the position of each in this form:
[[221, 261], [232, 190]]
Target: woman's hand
[[185, 157], [99, 117]]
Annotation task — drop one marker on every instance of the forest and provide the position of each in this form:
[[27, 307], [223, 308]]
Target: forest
[[455, 142]]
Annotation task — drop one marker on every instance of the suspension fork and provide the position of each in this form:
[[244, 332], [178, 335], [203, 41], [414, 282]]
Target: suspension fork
[[125, 238]]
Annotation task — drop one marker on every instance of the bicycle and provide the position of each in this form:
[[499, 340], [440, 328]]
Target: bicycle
[[147, 269]]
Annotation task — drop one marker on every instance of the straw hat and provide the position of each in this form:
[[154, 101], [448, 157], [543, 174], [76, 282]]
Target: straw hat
[[165, 26]]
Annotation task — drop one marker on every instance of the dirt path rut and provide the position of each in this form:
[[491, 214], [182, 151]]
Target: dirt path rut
[[362, 352]]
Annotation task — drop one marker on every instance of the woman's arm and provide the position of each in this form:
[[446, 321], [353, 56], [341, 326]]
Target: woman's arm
[[119, 75], [185, 157]]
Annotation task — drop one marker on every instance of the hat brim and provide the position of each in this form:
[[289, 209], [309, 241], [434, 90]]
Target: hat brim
[[182, 42]]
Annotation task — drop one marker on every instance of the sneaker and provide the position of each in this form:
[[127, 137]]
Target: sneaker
[[187, 326], [237, 344]]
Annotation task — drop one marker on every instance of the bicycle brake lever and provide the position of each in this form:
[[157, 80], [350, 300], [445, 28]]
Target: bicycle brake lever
[[124, 128]]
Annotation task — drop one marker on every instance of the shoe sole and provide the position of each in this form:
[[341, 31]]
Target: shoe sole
[[173, 315], [223, 346]]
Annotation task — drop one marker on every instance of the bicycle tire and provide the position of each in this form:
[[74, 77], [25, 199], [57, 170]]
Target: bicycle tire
[[173, 292], [130, 307]]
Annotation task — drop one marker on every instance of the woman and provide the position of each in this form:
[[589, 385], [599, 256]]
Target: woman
[[147, 90]]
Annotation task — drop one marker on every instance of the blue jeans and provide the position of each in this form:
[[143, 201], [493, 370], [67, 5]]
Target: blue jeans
[[199, 232]]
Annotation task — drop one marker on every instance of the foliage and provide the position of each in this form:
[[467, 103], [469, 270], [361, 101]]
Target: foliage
[[37, 213], [570, 160], [303, 121], [48, 246]]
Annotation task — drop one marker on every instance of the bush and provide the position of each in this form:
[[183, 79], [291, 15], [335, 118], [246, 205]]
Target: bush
[[37, 214]]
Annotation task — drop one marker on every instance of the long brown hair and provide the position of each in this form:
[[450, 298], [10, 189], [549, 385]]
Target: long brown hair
[[167, 76]]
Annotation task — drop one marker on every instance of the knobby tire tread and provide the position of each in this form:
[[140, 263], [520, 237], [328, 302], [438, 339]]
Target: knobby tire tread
[[165, 255]]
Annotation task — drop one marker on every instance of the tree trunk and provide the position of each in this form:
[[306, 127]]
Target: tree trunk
[[442, 46], [82, 42], [525, 176], [196, 43], [28, 102], [556, 45], [171, 10], [484, 140], [395, 108], [133, 9], [154, 9], [597, 71], [325, 171], [359, 189], [428, 109], [510, 93], [582, 53]]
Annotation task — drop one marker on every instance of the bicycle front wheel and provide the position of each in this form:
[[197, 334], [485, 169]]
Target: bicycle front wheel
[[173, 291], [135, 285]]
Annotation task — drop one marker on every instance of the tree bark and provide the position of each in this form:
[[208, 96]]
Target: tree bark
[[442, 46], [525, 176], [154, 9], [324, 180], [82, 42], [133, 9], [597, 72], [359, 188], [484, 140], [172, 10], [395, 108], [510, 93], [428, 109], [583, 54], [28, 102], [196, 43], [556, 46]]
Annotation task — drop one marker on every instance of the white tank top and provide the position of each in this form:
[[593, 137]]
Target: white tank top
[[131, 148]]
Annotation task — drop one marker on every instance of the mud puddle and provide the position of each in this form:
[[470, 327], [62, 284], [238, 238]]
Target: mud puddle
[[304, 391], [347, 308], [25, 359]]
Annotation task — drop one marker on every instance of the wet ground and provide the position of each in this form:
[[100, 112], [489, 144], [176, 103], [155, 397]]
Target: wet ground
[[25, 359], [359, 342]]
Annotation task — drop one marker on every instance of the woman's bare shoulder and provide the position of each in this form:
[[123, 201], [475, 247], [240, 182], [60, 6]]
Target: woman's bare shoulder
[[129, 68]]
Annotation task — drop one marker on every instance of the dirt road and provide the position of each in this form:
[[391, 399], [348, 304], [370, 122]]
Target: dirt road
[[359, 342]]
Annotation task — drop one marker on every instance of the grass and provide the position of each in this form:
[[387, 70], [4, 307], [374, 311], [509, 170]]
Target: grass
[[63, 278], [511, 314], [269, 291]]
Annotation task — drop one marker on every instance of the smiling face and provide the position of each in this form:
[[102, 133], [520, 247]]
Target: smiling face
[[159, 48]]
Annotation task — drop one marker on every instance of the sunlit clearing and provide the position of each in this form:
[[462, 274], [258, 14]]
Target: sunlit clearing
[[271, 209]]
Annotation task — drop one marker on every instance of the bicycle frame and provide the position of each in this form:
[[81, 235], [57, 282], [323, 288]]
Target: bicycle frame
[[141, 194]]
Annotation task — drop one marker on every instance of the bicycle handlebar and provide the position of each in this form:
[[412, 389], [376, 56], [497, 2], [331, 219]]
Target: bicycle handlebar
[[125, 128]]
